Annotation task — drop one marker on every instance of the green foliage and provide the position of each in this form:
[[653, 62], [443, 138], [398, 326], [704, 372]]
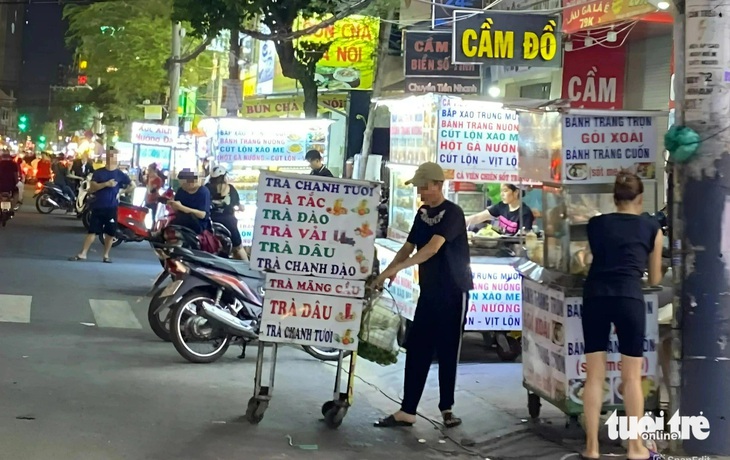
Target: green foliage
[[126, 44], [208, 17]]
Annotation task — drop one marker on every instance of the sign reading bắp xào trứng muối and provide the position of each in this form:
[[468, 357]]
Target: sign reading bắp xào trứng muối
[[476, 136], [311, 319], [495, 303], [597, 148], [263, 142], [312, 225]]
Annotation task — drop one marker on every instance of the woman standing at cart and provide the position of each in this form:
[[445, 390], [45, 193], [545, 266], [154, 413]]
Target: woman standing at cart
[[439, 235], [623, 244], [507, 213]]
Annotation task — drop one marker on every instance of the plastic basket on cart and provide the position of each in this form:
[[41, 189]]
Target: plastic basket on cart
[[381, 325]]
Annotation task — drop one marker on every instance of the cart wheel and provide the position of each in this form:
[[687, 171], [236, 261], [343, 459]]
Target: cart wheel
[[327, 406], [255, 410], [515, 349], [335, 415], [533, 405]]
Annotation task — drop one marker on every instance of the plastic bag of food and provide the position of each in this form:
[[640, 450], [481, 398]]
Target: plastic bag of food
[[381, 324]]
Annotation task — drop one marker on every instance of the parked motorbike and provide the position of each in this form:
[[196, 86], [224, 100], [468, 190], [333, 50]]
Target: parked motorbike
[[169, 255], [82, 198], [7, 210], [49, 197], [215, 307]]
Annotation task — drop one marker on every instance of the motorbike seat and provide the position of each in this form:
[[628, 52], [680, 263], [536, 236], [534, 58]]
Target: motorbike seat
[[131, 206], [238, 267]]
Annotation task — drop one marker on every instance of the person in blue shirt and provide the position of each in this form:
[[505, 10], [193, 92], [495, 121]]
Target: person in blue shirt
[[192, 203], [106, 183]]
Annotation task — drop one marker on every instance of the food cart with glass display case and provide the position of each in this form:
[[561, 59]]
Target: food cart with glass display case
[[423, 128], [576, 154], [246, 146]]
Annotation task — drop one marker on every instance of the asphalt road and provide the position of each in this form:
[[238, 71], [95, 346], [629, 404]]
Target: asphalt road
[[83, 377]]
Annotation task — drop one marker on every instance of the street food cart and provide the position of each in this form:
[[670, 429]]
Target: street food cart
[[245, 147], [576, 154], [475, 141], [314, 239]]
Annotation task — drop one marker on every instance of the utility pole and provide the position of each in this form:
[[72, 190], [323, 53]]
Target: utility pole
[[386, 25], [704, 235], [175, 74], [234, 68], [674, 195]]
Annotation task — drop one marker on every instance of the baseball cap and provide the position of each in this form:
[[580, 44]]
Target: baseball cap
[[426, 173]]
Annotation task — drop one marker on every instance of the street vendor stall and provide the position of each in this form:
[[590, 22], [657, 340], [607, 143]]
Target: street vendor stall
[[475, 141], [314, 237], [245, 147], [576, 154]]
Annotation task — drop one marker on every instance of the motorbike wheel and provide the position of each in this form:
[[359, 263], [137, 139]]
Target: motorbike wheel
[[324, 354], [42, 204], [86, 219], [159, 323], [184, 323], [117, 241]]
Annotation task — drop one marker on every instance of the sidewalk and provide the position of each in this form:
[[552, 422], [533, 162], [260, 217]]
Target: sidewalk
[[491, 401]]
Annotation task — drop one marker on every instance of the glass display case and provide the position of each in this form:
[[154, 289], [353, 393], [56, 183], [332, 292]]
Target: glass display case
[[404, 203]]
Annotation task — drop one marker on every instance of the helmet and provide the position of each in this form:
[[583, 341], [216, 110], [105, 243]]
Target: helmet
[[218, 171]]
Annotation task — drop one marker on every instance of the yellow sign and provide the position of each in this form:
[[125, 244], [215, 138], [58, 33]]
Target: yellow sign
[[350, 61], [511, 39], [275, 107], [249, 83]]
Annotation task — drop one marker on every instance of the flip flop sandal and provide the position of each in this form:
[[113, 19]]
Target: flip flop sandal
[[451, 421], [654, 456], [77, 259], [106, 260], [391, 422]]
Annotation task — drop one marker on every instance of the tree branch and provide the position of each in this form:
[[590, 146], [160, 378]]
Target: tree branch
[[288, 36], [193, 54]]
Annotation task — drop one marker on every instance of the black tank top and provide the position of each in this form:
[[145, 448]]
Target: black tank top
[[620, 244]]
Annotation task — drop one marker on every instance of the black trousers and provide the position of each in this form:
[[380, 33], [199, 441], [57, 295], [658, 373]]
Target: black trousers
[[437, 329]]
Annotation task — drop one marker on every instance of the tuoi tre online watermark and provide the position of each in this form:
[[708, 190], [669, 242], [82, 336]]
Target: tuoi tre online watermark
[[648, 428]]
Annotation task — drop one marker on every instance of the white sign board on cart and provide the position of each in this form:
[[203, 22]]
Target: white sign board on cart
[[311, 319], [597, 148], [315, 236], [310, 225]]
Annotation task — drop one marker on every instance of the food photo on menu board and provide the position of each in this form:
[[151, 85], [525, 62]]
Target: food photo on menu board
[[311, 225], [596, 149]]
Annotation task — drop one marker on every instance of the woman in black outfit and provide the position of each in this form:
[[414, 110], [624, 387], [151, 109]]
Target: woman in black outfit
[[623, 244]]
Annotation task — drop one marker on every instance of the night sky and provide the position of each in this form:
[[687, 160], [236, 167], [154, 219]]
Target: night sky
[[43, 49]]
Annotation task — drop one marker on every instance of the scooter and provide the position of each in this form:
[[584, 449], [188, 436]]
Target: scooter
[[49, 197], [236, 293], [7, 210]]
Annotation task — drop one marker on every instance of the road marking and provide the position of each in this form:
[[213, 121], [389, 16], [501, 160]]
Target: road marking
[[15, 308], [114, 314]]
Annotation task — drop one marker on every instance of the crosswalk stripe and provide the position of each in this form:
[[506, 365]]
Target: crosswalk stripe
[[15, 308], [114, 314]]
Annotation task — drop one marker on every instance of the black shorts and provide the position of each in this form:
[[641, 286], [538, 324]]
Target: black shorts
[[103, 221], [231, 223], [627, 315]]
